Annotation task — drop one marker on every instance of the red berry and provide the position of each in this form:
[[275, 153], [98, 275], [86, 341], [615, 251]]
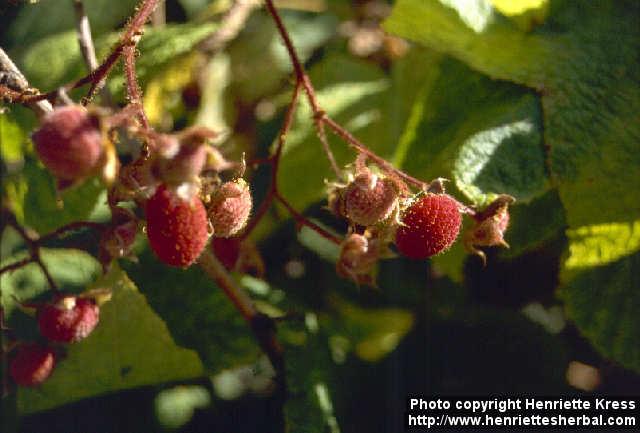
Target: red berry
[[177, 229], [69, 319], [32, 364], [370, 199], [69, 142], [227, 250], [429, 226], [230, 208]]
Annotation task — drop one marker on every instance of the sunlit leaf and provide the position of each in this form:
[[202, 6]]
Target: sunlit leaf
[[130, 347]]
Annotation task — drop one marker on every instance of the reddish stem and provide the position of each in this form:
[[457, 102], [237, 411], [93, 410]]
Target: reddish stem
[[303, 79], [300, 219], [133, 90]]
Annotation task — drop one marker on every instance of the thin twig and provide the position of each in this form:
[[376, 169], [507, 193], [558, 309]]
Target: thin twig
[[71, 227], [83, 31], [34, 243], [303, 78], [16, 265], [12, 78], [274, 161], [98, 76], [159, 15], [85, 41], [300, 219], [360, 147], [230, 25]]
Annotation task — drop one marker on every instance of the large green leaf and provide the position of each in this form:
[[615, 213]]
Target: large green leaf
[[490, 144], [131, 347], [587, 73], [197, 312], [604, 302], [584, 63], [309, 379]]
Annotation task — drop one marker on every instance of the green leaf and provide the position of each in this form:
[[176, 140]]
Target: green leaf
[[476, 34], [44, 208], [72, 270], [507, 158], [55, 60], [130, 347], [490, 144], [309, 378], [12, 139], [604, 302], [588, 74], [198, 314], [259, 52], [37, 20], [584, 62], [159, 47], [533, 224]]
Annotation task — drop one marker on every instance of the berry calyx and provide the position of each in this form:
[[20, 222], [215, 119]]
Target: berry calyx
[[69, 319], [177, 229], [230, 208], [358, 256], [490, 226], [369, 199], [429, 226], [32, 364], [69, 143]]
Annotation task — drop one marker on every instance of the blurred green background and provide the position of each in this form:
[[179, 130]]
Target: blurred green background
[[537, 99]]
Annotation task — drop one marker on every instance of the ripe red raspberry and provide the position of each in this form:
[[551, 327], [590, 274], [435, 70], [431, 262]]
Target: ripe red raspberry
[[32, 364], [370, 199], [230, 208], [69, 319], [69, 143], [177, 229], [429, 226]]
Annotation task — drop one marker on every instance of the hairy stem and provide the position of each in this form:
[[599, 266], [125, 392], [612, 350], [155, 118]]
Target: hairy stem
[[303, 79]]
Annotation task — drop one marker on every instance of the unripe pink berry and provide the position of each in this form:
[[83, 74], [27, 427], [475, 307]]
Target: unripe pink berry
[[370, 199], [32, 364], [230, 208], [69, 143], [69, 319]]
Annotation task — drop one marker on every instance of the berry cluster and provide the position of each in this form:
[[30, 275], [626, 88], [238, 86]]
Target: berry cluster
[[382, 210], [175, 180], [67, 319]]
